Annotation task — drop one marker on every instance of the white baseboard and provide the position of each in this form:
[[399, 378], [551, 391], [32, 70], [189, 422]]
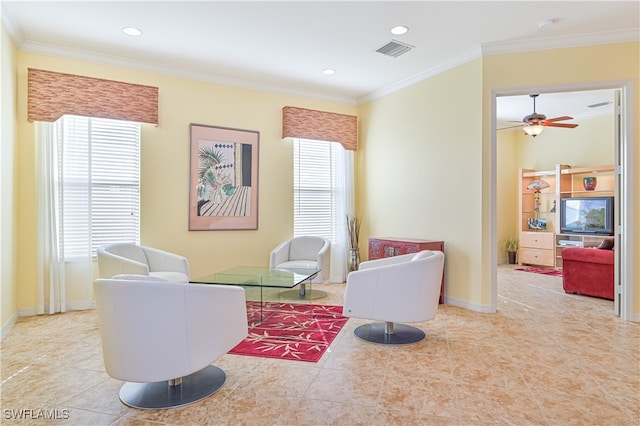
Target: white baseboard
[[6, 327], [29, 312], [471, 306]]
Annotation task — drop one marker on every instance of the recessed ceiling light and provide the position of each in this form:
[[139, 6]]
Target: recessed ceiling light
[[132, 31], [399, 30], [545, 23], [328, 71]]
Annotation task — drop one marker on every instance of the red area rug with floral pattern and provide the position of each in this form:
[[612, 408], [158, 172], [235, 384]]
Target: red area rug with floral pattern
[[300, 332], [543, 271]]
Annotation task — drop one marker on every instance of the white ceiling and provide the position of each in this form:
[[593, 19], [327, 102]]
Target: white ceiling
[[284, 46]]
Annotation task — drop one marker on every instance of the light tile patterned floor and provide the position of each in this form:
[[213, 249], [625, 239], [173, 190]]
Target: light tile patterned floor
[[546, 358]]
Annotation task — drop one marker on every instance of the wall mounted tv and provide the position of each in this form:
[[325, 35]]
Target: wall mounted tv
[[588, 215]]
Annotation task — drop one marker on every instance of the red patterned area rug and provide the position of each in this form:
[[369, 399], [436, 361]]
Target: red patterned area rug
[[544, 271], [300, 332]]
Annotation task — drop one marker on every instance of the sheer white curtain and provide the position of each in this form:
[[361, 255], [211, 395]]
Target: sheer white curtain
[[62, 282], [342, 205]]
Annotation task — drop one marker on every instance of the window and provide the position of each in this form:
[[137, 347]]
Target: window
[[99, 172], [317, 189]]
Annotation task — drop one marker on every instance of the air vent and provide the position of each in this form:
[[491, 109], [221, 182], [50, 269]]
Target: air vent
[[394, 48]]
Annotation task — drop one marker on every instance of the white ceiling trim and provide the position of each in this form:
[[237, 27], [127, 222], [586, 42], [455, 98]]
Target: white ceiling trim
[[519, 46], [11, 24], [179, 72], [423, 75], [506, 47]]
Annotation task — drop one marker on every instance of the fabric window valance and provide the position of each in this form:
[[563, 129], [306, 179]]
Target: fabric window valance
[[52, 95], [327, 126]]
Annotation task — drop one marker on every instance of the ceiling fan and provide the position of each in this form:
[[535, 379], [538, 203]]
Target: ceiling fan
[[535, 123]]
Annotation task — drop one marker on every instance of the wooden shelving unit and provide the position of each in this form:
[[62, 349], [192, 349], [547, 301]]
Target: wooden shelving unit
[[542, 246]]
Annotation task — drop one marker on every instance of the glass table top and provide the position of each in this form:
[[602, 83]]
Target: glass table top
[[259, 276]]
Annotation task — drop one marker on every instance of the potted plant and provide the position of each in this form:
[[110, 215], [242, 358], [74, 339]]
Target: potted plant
[[511, 247]]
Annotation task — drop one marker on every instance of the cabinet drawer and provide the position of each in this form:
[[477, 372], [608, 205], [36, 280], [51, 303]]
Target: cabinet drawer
[[533, 256], [542, 240]]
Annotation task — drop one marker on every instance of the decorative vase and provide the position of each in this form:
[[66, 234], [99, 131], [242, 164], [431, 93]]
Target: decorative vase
[[353, 260], [590, 183], [512, 257]]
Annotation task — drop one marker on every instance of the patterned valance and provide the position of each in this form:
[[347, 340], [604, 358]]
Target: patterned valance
[[327, 126], [52, 95]]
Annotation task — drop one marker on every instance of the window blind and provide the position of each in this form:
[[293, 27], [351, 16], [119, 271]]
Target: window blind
[[99, 165], [316, 188]]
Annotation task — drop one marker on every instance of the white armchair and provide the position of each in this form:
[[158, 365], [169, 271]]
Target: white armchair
[[124, 258], [304, 252], [403, 288], [161, 337]]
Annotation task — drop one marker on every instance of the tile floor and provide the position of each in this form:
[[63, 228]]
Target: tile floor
[[546, 358]]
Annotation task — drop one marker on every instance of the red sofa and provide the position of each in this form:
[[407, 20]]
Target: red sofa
[[588, 271]]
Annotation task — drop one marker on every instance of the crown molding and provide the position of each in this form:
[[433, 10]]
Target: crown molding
[[423, 75], [485, 49], [11, 24], [582, 40], [172, 71]]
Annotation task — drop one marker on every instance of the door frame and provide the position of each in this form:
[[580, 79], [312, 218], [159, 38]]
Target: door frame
[[625, 276]]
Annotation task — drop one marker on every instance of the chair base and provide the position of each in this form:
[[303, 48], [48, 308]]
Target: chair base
[[193, 388], [389, 333], [302, 294]]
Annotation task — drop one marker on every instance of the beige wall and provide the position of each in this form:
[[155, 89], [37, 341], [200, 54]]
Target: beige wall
[[419, 171], [7, 181], [165, 168], [615, 64]]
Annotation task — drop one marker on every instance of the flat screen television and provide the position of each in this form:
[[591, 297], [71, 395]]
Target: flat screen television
[[588, 215]]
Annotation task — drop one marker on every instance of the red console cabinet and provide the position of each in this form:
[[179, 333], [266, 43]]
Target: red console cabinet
[[387, 247]]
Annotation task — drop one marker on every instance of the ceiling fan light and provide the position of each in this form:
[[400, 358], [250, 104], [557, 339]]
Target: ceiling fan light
[[533, 130]]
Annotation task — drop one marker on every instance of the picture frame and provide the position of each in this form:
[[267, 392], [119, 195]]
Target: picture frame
[[223, 178]]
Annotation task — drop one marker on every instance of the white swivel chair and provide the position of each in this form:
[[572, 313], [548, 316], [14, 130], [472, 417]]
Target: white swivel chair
[[161, 337], [304, 252], [125, 258], [399, 289]]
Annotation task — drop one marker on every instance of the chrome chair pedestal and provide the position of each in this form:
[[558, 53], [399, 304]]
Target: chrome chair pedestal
[[389, 333], [173, 393]]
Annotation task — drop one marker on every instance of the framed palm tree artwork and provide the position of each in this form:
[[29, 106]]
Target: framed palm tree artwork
[[223, 181]]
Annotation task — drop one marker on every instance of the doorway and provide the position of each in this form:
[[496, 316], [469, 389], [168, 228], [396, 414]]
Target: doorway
[[623, 160]]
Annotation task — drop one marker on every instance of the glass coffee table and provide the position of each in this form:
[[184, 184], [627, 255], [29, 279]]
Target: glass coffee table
[[265, 284]]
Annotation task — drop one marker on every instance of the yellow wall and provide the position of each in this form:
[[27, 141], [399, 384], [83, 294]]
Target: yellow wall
[[507, 152], [419, 174], [7, 180], [603, 64], [165, 168]]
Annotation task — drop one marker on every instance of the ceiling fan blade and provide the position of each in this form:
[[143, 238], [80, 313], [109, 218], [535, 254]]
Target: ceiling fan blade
[[510, 127], [567, 125], [566, 117]]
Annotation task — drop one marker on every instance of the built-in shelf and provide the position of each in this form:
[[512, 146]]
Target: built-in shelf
[[542, 246]]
